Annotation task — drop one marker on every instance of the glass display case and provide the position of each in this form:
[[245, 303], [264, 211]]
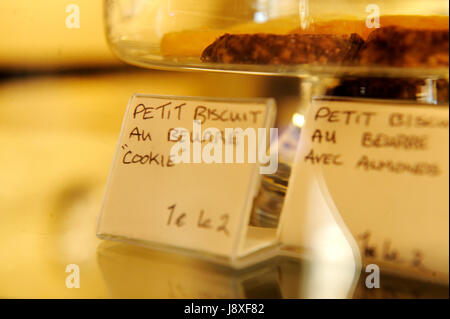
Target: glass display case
[[62, 98], [387, 52]]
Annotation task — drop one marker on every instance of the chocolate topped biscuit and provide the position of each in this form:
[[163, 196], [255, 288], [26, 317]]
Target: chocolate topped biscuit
[[404, 47], [283, 49]]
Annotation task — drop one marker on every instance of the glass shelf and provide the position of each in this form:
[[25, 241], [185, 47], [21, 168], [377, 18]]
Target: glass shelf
[[173, 34]]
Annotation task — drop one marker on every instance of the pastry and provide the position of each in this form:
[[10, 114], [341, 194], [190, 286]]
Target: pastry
[[404, 47], [283, 49], [392, 89]]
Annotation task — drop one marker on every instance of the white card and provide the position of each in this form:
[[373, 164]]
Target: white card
[[199, 207], [373, 178]]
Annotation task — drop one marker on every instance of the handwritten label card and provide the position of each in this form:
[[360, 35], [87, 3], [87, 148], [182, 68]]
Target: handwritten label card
[[199, 206], [379, 171]]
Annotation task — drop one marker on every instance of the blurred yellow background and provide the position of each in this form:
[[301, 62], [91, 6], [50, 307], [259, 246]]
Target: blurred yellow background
[[33, 34]]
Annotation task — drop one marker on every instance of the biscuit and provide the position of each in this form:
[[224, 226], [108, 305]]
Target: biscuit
[[283, 49]]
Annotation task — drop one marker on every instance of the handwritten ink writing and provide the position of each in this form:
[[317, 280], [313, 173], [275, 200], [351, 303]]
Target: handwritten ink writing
[[328, 136], [223, 226], [325, 159], [140, 135], [203, 223], [150, 158], [179, 222], [389, 254], [398, 167], [181, 219], [163, 111], [399, 141], [347, 117], [204, 114], [416, 121], [174, 135]]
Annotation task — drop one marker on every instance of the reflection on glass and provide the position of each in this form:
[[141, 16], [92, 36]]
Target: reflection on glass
[[135, 272]]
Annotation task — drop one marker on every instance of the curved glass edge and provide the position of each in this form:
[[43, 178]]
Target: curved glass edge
[[153, 61]]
